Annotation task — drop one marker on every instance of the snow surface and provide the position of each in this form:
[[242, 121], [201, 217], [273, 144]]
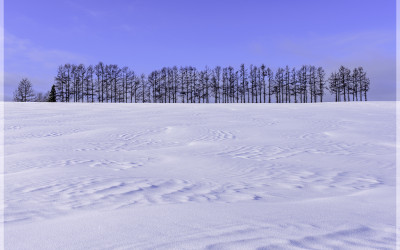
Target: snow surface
[[195, 176]]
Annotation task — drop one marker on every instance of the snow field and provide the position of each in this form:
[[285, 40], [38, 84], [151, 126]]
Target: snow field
[[200, 176]]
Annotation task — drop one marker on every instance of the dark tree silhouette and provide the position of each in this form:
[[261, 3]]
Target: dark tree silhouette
[[24, 91], [52, 95], [320, 83], [110, 83]]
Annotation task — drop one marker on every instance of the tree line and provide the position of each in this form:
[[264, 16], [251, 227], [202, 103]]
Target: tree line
[[255, 84], [25, 93]]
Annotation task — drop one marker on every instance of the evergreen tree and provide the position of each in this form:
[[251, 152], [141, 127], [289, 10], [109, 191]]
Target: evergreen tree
[[52, 95]]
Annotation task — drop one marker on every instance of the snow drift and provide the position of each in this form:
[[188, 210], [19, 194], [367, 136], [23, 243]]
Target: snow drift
[[215, 176]]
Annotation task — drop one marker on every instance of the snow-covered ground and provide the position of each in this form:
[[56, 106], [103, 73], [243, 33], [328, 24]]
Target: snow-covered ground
[[182, 176]]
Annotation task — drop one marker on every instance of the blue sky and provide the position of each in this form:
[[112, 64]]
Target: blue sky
[[147, 34]]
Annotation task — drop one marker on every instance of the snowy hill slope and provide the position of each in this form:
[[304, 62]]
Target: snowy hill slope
[[183, 176]]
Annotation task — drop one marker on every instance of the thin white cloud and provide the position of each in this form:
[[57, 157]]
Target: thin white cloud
[[18, 50], [25, 59], [87, 11]]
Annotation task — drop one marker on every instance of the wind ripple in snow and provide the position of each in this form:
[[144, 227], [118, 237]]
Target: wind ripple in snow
[[200, 176]]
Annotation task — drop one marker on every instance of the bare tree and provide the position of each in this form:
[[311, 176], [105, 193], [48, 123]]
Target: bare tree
[[215, 79], [279, 80], [320, 82], [294, 89], [41, 97], [244, 83], [110, 83], [287, 84], [24, 91], [334, 85]]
